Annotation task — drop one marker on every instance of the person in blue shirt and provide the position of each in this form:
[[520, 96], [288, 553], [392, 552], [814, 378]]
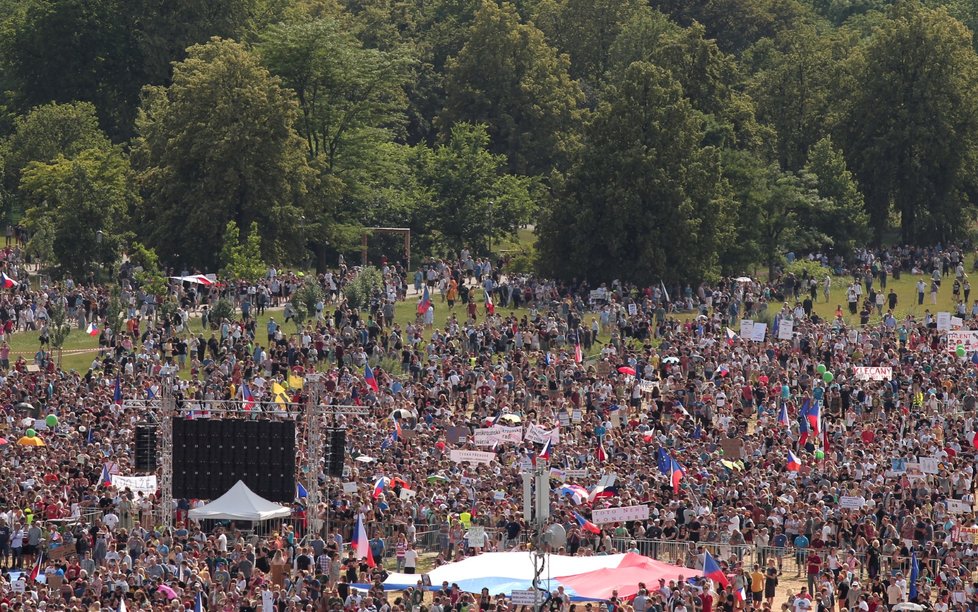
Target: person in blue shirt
[[801, 551], [779, 542]]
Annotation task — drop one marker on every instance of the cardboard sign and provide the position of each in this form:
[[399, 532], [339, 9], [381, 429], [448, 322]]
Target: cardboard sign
[[349, 487], [467, 456], [957, 322], [851, 502], [137, 484], [576, 415], [632, 309], [476, 536], [539, 435], [929, 465], [455, 435], [564, 418], [867, 373], [600, 294], [407, 494], [786, 329], [964, 337], [499, 495], [526, 597], [746, 328], [486, 436], [956, 506], [943, 321], [620, 515], [967, 535], [647, 386], [758, 332], [575, 473]]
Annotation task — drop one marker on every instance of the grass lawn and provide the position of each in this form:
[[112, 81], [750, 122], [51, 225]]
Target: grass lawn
[[80, 349]]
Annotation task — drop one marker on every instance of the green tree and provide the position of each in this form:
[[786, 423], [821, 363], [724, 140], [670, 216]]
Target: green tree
[[508, 77], [84, 203], [241, 259], [304, 301], [472, 199], [645, 189], [218, 145], [67, 50], [843, 216], [59, 327], [367, 283], [42, 135], [585, 30], [147, 271], [910, 121]]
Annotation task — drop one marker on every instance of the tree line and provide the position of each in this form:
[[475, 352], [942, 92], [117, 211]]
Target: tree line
[[645, 139]]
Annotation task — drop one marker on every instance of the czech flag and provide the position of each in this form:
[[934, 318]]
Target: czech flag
[[380, 485], [586, 525], [794, 463], [490, 307], [576, 493], [601, 492], [247, 397], [369, 378], [676, 474], [731, 335], [803, 430], [579, 355], [741, 594], [783, 416], [602, 454], [92, 329], [425, 302], [117, 394], [545, 453], [712, 571], [6, 282], [36, 571], [812, 414], [105, 479], [360, 544]]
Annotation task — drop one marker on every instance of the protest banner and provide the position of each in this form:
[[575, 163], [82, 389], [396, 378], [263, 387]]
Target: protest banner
[[869, 373], [137, 484], [539, 435], [786, 329], [407, 494], [467, 456], [957, 506], [486, 436], [962, 337], [943, 321], [526, 597], [965, 535], [620, 515], [746, 327], [851, 502], [929, 465], [349, 487]]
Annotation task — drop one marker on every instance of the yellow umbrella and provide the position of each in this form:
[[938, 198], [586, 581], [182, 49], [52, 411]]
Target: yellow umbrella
[[35, 441]]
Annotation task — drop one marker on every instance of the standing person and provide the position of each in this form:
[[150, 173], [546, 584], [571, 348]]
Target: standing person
[[920, 292], [410, 559], [827, 287]]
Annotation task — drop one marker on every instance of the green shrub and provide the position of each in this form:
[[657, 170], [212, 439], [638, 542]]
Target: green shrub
[[359, 291]]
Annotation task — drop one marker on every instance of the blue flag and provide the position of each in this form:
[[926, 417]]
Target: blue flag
[[914, 576], [663, 461], [300, 491]]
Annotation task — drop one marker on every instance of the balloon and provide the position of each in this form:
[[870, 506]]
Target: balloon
[[828, 376], [821, 369], [960, 351], [51, 420], [31, 433], [819, 455]]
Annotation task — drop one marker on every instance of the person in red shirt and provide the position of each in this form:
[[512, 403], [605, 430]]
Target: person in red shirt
[[814, 567], [706, 601]]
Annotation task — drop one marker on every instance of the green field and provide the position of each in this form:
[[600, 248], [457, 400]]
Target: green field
[[80, 348]]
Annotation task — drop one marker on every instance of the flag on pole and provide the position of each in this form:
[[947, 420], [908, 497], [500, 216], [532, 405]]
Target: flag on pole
[[36, 571], [360, 544], [92, 329], [794, 463], [300, 491], [545, 453], [117, 393], [490, 307], [712, 571], [122, 604], [106, 478], [586, 525], [6, 281], [666, 293], [731, 335], [369, 378], [783, 416], [578, 354], [601, 454], [914, 575], [663, 461], [379, 486], [741, 594], [247, 398], [676, 474]]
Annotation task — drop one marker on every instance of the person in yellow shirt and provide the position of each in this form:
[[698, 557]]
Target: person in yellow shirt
[[757, 584], [465, 518]]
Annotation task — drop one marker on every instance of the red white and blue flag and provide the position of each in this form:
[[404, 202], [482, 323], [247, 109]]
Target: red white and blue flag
[[106, 478], [6, 282], [425, 302], [712, 571], [545, 453], [369, 378], [92, 329], [794, 463], [586, 525], [741, 594], [783, 416], [601, 453], [247, 397], [676, 474], [380, 485], [360, 543], [490, 307]]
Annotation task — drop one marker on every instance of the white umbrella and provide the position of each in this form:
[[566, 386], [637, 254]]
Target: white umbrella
[[364, 459]]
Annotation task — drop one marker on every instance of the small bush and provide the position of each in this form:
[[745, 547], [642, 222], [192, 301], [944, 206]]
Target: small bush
[[808, 269], [369, 281]]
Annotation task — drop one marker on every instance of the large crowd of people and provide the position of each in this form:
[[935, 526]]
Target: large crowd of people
[[829, 454]]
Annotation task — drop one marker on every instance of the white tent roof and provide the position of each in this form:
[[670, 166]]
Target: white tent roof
[[240, 504]]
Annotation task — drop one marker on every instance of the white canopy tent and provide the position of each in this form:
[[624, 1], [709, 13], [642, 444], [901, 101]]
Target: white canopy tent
[[240, 504]]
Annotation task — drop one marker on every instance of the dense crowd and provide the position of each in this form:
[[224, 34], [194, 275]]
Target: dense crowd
[[774, 455]]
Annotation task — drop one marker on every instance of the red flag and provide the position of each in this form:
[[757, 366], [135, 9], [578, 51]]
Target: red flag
[[974, 441], [602, 455], [826, 447], [37, 568]]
